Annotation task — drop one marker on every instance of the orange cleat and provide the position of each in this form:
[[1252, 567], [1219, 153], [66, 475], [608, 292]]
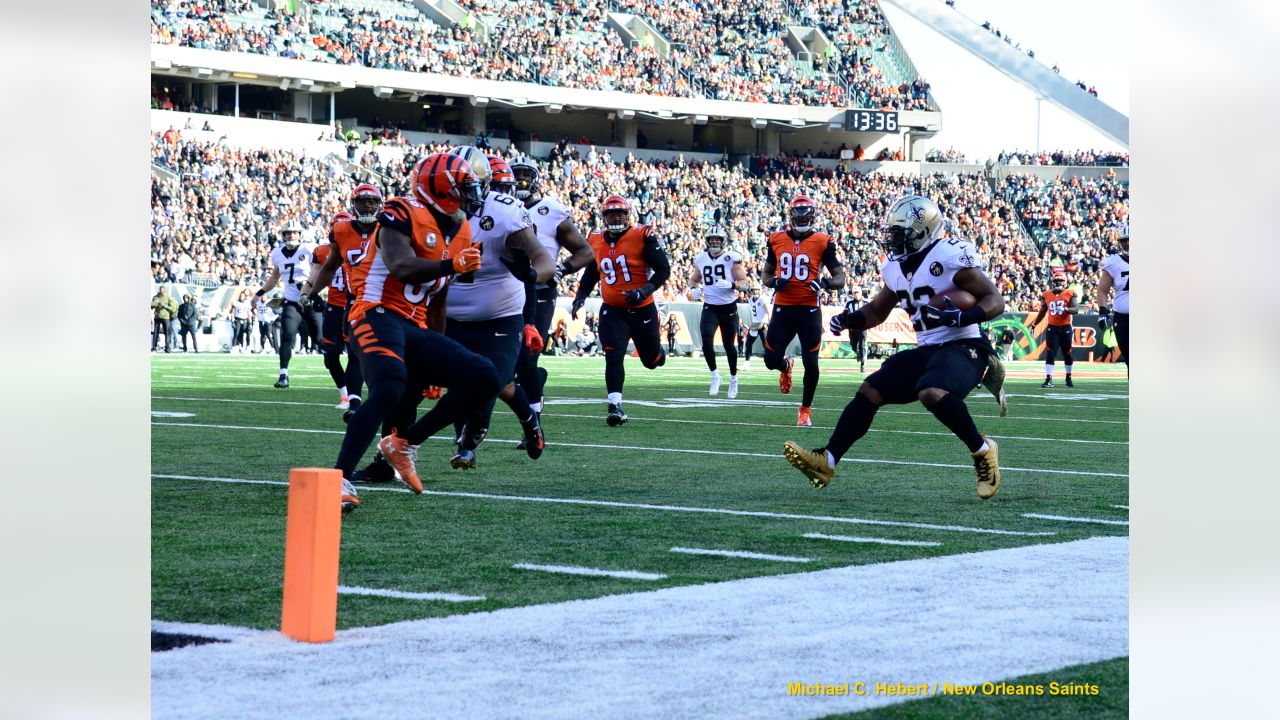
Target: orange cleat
[[401, 455], [804, 419], [433, 392], [784, 377]]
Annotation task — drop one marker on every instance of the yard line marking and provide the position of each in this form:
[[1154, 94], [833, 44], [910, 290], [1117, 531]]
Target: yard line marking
[[676, 420], [740, 554], [401, 594], [690, 451], [1064, 518], [1122, 507], [591, 572], [184, 377], [879, 541], [648, 506]]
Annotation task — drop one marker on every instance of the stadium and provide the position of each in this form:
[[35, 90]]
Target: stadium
[[552, 555]]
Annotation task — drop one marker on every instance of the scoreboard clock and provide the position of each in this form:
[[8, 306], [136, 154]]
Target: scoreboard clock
[[871, 121]]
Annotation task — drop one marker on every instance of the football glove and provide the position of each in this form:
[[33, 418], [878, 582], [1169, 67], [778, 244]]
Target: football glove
[[532, 339], [1104, 321], [723, 284], [695, 294], [637, 296], [520, 267], [467, 261], [563, 269], [777, 284], [577, 305], [947, 317], [433, 392], [817, 286]]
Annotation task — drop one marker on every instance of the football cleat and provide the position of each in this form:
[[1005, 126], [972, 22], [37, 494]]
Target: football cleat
[[402, 455], [813, 463], [350, 498], [733, 387], [1048, 383], [784, 378], [534, 441], [987, 464], [993, 380], [353, 406], [283, 382], [804, 418], [715, 384], [1069, 383], [464, 460], [344, 402], [616, 415], [378, 471]]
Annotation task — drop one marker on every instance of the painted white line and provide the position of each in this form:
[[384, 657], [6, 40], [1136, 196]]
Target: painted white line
[[401, 594], [717, 650], [229, 633], [689, 451], [1064, 518], [1121, 507], [879, 541], [590, 572], [163, 414], [647, 506], [183, 377], [740, 554]]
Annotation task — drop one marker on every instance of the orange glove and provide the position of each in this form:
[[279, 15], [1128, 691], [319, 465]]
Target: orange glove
[[467, 261], [433, 392], [532, 339]]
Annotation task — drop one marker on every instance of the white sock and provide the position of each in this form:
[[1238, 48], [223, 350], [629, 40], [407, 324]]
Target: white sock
[[831, 460], [284, 372], [353, 398], [1048, 369], [615, 398], [1068, 371], [734, 377], [984, 447], [537, 407], [342, 390], [715, 374]]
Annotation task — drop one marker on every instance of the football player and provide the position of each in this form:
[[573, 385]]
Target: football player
[[630, 266], [290, 264], [553, 223], [1114, 275], [485, 309], [793, 268], [950, 358], [420, 242], [716, 276], [759, 313], [1060, 304]]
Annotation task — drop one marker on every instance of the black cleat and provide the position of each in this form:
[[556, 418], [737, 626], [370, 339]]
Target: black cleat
[[464, 460], [1046, 384], [283, 382], [1069, 383], [355, 405], [616, 415], [378, 471], [522, 445], [533, 441]]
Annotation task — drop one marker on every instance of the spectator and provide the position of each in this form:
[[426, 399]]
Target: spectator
[[163, 310], [189, 323]]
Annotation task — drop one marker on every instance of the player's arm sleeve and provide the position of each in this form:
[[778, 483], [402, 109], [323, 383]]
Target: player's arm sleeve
[[829, 258], [656, 258], [530, 304], [590, 278]]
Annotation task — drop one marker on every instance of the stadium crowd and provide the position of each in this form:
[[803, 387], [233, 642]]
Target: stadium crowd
[[217, 222], [1064, 157], [569, 44]]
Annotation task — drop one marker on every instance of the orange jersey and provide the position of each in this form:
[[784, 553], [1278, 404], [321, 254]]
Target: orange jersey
[[371, 279], [622, 266], [1057, 304], [799, 262], [353, 245], [337, 295]]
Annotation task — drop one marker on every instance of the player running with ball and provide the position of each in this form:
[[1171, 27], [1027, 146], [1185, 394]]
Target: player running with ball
[[925, 270]]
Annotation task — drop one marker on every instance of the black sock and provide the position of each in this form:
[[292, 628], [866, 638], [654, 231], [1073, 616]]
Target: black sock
[[731, 354], [853, 424], [952, 412], [614, 373], [810, 378], [519, 404]]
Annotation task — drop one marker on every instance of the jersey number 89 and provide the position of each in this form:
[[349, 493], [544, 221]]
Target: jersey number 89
[[711, 272], [793, 268]]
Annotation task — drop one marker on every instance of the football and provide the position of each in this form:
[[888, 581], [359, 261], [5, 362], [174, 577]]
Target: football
[[961, 298]]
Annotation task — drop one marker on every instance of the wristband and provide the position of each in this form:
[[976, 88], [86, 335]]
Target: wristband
[[825, 283], [973, 316], [260, 293]]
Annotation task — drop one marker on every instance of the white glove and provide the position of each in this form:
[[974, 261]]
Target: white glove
[[695, 293], [723, 284]]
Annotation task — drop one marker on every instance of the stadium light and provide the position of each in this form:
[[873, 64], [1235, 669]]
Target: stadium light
[[306, 83], [759, 123], [347, 84], [202, 73], [833, 127], [284, 83], [383, 91], [700, 119], [627, 114], [554, 109], [665, 114], [798, 122], [161, 64], [480, 101]]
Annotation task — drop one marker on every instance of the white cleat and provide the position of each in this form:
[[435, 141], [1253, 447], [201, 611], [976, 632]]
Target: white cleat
[[715, 384], [733, 387], [344, 403]]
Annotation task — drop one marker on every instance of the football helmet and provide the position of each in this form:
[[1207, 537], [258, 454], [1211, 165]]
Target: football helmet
[[446, 184], [1058, 283], [1122, 237], [527, 173], [802, 213], [478, 161], [755, 291], [911, 225], [343, 216], [292, 234], [366, 203], [617, 214], [501, 178], [716, 241]]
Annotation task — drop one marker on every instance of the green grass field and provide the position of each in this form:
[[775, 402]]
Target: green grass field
[[686, 471]]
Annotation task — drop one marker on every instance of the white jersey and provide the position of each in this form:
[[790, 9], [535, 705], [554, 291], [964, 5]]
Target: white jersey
[[713, 270], [493, 292], [265, 313], [547, 215], [1118, 267], [293, 268], [935, 274], [758, 312]]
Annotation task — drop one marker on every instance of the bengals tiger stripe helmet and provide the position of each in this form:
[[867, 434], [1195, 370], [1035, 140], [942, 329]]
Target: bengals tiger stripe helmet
[[445, 183], [802, 212], [502, 180], [366, 203], [617, 214]]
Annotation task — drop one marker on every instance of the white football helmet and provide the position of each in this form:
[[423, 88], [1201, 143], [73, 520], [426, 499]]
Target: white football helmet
[[526, 171], [292, 234], [717, 240], [479, 163], [911, 225]]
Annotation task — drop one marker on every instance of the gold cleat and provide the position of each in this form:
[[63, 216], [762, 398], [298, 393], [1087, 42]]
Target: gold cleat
[[993, 380], [987, 465], [813, 463]]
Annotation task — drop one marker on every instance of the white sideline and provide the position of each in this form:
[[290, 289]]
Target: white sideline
[[721, 650], [401, 594], [880, 541], [1064, 518], [591, 572], [645, 506], [690, 451], [1121, 507], [229, 633], [740, 554]]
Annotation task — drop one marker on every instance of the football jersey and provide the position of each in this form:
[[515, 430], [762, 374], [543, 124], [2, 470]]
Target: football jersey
[[798, 261], [378, 287], [758, 311], [714, 269], [353, 244], [492, 291], [294, 268], [265, 313], [622, 266], [337, 295], [935, 274], [1057, 304], [547, 215], [1117, 266]]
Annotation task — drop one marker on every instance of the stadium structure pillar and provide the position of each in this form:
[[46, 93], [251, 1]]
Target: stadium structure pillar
[[333, 101], [475, 119], [301, 105], [769, 141], [237, 114], [626, 130]]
